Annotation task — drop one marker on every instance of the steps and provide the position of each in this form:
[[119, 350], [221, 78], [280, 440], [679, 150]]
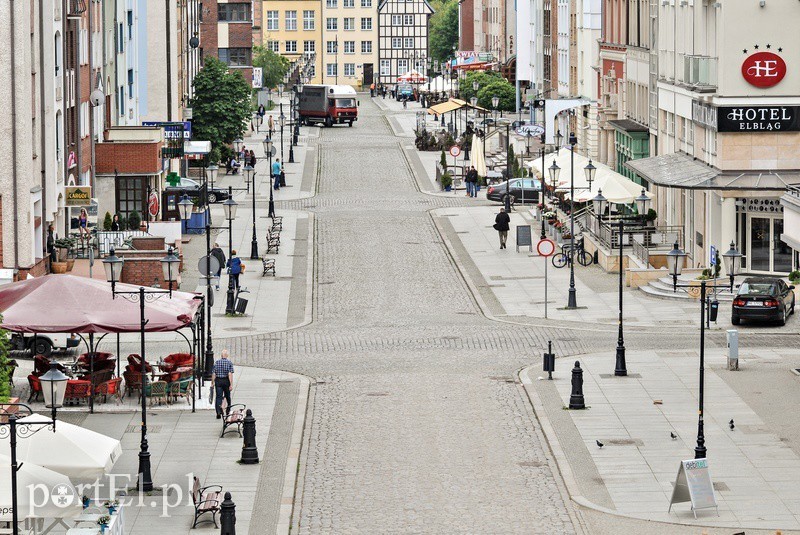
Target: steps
[[662, 288]]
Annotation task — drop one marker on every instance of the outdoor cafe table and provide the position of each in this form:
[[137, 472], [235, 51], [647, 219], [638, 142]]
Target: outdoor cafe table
[[87, 524]]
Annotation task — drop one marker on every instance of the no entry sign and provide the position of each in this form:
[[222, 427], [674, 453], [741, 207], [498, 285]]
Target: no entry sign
[[455, 151], [546, 247]]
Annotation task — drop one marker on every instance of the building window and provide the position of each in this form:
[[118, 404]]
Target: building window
[[332, 24], [397, 42], [312, 71], [366, 23], [309, 47], [120, 40], [130, 24], [402, 65], [349, 47], [291, 46], [331, 69], [291, 20], [272, 20], [274, 46], [130, 83], [349, 23], [408, 20], [121, 101], [308, 19], [366, 47], [239, 12], [385, 67], [330, 47], [397, 20], [366, 3], [131, 192], [349, 69], [332, 4], [348, 3], [235, 57], [408, 42]]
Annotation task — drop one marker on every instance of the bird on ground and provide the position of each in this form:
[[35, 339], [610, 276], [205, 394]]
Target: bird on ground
[[672, 435], [599, 444], [730, 424]]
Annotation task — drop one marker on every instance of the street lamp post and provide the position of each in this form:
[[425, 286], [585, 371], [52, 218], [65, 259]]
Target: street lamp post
[[675, 260], [230, 215], [250, 175], [53, 399], [495, 103], [112, 265], [508, 170], [291, 125], [572, 302], [268, 150], [733, 260], [282, 122]]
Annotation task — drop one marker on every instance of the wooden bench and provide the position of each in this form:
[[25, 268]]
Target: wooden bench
[[269, 266], [273, 242], [233, 418], [277, 223], [206, 500], [274, 235]]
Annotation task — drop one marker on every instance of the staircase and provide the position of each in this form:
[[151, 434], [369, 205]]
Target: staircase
[[662, 288]]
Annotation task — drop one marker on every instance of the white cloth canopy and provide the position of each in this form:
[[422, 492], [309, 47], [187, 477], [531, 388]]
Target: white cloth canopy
[[80, 454], [440, 83], [478, 158], [413, 76], [617, 188], [41, 493]]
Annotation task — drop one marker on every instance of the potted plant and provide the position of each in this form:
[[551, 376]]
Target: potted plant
[[650, 217], [134, 220], [794, 276], [103, 522], [447, 181], [111, 505]]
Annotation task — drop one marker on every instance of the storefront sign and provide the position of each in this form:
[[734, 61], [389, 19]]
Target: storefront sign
[[78, 195], [173, 130], [758, 118], [693, 484], [763, 69]]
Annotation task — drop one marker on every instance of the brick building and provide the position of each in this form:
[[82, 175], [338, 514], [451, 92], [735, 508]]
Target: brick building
[[226, 33]]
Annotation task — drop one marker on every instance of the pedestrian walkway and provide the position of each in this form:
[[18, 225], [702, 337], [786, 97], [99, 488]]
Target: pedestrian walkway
[[753, 467], [183, 444]]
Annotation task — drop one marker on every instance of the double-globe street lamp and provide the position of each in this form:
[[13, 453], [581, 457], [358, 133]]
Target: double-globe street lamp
[[599, 202], [54, 387], [250, 175], [229, 207], [675, 260], [112, 265], [555, 170], [291, 123], [268, 148]]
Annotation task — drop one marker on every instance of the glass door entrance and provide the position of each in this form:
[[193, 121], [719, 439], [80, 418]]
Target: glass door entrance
[[766, 252]]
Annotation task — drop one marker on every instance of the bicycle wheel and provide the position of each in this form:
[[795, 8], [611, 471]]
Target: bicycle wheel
[[560, 260], [585, 258]]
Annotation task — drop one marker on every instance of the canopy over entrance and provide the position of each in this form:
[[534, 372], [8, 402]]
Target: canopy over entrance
[[413, 76], [65, 303], [452, 105]]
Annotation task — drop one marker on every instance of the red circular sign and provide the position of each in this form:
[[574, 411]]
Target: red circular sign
[[152, 204], [546, 247], [764, 69], [455, 150]]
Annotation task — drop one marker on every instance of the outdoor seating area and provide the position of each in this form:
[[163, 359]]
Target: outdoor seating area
[[273, 245]]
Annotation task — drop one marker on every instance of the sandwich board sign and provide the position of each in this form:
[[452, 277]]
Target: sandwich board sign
[[694, 484]]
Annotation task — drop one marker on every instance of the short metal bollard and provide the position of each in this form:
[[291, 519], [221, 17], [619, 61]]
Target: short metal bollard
[[549, 361], [576, 400], [249, 449], [733, 349], [227, 516]]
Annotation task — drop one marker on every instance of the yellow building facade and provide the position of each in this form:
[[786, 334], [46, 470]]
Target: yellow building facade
[[293, 28], [350, 42]]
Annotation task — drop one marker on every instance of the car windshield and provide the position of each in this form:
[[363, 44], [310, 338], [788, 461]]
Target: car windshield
[[757, 288], [345, 103]]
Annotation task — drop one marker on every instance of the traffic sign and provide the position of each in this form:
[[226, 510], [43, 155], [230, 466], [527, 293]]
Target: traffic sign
[[455, 151], [202, 263], [546, 247]]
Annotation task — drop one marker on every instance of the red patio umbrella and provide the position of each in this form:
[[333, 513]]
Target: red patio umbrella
[[69, 304]]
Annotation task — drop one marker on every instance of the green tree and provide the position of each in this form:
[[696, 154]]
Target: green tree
[[443, 33], [221, 106], [134, 220], [5, 386], [498, 88], [107, 221], [516, 169], [484, 78], [273, 66]]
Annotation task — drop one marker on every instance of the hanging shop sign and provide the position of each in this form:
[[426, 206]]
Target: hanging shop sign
[[78, 195], [763, 69], [747, 118]]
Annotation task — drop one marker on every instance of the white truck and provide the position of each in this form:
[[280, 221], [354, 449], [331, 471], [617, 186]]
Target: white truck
[[328, 104]]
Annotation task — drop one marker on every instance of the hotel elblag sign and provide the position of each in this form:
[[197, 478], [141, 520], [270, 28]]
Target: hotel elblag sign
[[747, 118]]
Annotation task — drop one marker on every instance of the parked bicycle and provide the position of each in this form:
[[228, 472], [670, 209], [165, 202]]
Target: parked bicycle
[[562, 259]]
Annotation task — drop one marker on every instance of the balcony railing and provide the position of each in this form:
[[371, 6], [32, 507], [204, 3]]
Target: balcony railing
[[642, 239], [700, 71]]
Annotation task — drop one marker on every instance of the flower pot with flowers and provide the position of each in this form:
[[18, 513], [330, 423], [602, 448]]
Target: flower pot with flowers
[[111, 505], [103, 522]]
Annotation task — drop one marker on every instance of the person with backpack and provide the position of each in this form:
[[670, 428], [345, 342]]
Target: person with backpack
[[235, 268]]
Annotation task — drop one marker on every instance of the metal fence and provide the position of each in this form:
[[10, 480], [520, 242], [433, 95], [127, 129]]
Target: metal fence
[[642, 239]]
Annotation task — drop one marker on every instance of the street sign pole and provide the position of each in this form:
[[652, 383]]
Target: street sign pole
[[545, 247]]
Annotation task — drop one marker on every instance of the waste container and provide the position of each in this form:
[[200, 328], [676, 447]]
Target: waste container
[[733, 349]]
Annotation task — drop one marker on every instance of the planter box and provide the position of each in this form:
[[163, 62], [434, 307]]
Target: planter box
[[58, 267]]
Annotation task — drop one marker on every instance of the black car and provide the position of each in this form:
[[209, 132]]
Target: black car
[[531, 186], [194, 190], [763, 298]]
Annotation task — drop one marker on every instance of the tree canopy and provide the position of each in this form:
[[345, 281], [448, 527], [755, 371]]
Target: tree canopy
[[443, 32], [484, 78], [221, 105], [498, 88], [273, 66]]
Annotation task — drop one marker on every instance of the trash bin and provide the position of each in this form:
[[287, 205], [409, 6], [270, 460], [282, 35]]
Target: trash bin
[[733, 349]]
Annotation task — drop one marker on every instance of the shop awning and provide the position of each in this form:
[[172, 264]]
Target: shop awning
[[452, 105], [69, 304], [679, 170]]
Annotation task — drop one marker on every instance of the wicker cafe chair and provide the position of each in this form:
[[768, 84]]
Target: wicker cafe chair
[[156, 390]]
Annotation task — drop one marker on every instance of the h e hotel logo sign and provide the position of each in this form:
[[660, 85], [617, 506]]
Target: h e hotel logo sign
[[763, 69]]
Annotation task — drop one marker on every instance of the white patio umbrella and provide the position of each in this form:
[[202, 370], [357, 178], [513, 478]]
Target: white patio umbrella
[[41, 493], [478, 158], [78, 453]]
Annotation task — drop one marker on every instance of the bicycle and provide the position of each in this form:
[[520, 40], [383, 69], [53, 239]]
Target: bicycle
[[562, 259]]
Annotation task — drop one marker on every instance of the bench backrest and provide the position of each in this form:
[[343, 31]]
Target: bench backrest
[[196, 498]]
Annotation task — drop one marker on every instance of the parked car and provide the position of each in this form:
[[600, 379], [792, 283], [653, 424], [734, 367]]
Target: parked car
[[43, 344], [405, 91], [763, 298], [531, 187], [194, 190]]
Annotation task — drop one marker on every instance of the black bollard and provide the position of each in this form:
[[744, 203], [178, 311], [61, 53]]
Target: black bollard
[[249, 449], [549, 362], [576, 398], [227, 516]]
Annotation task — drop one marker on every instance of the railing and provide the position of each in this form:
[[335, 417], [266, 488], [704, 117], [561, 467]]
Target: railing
[[106, 239], [700, 71], [641, 239]]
